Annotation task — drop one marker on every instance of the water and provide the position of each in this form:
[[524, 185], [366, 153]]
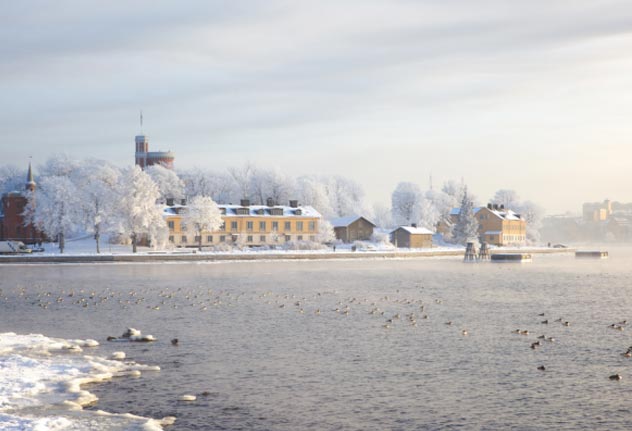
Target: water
[[258, 361]]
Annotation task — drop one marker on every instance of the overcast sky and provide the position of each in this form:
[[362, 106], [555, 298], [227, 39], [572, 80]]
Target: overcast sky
[[534, 96]]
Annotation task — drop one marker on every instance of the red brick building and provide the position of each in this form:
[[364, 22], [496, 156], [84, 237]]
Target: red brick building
[[144, 157], [12, 227]]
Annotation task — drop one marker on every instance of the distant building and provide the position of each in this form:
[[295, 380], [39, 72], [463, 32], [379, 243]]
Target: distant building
[[596, 211], [250, 225], [144, 157], [353, 228], [411, 237], [12, 226], [497, 225]]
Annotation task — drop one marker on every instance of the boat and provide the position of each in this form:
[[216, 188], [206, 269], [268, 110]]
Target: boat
[[591, 254], [511, 257]]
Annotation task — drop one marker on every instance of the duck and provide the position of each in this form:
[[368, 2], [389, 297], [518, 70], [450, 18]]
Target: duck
[[615, 377], [542, 368]]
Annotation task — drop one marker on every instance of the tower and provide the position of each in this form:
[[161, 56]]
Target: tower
[[30, 182], [142, 148]]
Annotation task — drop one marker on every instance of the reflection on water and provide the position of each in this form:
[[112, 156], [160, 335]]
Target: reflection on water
[[351, 344]]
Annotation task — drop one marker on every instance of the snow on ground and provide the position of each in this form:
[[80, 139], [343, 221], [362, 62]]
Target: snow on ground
[[40, 385]]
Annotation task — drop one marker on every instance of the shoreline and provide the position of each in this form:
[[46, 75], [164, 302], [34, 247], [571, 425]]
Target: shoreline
[[255, 256]]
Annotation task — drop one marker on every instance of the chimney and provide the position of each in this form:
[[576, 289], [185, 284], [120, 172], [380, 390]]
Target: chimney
[[413, 225], [270, 202], [245, 202], [495, 206], [489, 206], [183, 201], [502, 207], [293, 204], [170, 202]]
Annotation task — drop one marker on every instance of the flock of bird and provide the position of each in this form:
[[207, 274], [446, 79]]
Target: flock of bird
[[389, 311]]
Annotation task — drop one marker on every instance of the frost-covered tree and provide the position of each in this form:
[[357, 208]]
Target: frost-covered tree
[[59, 165], [346, 197], [219, 186], [11, 178], [57, 212], [311, 191], [137, 211], [509, 199], [382, 216], [242, 177], [454, 189], [326, 232], [443, 204], [272, 184], [405, 203], [429, 214], [533, 214], [168, 182], [466, 227], [202, 215], [97, 181]]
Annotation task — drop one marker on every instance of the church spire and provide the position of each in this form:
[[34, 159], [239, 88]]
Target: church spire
[[30, 182]]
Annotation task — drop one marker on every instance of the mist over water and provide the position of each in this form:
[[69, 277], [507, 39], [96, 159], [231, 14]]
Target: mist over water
[[298, 345]]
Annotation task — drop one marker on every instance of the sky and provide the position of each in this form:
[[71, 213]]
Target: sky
[[533, 96]]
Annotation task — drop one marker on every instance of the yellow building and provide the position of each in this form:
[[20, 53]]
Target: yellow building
[[249, 225], [498, 226]]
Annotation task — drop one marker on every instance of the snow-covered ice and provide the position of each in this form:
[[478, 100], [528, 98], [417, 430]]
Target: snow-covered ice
[[41, 382]]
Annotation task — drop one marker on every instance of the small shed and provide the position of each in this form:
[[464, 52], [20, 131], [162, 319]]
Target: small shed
[[353, 228], [411, 237]]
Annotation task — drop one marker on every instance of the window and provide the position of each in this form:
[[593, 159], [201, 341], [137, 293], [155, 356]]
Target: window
[[209, 238], [262, 238], [233, 225], [183, 227], [198, 238], [312, 226], [299, 226], [184, 239], [262, 226], [171, 225], [299, 238], [222, 238], [288, 226], [249, 238], [312, 238], [249, 226], [275, 226], [171, 239], [287, 238]]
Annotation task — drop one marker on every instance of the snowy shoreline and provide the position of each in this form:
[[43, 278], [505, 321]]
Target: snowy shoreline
[[41, 387], [194, 256]]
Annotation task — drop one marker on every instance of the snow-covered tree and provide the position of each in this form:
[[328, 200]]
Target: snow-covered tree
[[272, 184], [454, 189], [405, 203], [311, 191], [168, 182], [533, 214], [346, 197], [97, 181], [11, 178], [326, 232], [466, 227], [509, 199], [219, 186], [137, 211], [382, 216], [57, 212], [59, 165], [202, 215], [243, 179]]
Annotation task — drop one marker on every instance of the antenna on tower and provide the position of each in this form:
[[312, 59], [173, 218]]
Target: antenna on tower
[[141, 121], [430, 181]]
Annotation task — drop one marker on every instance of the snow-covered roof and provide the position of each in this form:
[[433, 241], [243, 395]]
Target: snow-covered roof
[[415, 230], [503, 214], [254, 210], [346, 221]]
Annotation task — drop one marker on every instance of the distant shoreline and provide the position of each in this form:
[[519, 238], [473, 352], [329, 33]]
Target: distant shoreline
[[255, 256]]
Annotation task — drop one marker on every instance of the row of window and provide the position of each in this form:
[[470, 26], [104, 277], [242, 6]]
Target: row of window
[[249, 238], [287, 226]]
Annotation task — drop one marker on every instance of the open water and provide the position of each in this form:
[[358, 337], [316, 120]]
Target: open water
[[345, 345]]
